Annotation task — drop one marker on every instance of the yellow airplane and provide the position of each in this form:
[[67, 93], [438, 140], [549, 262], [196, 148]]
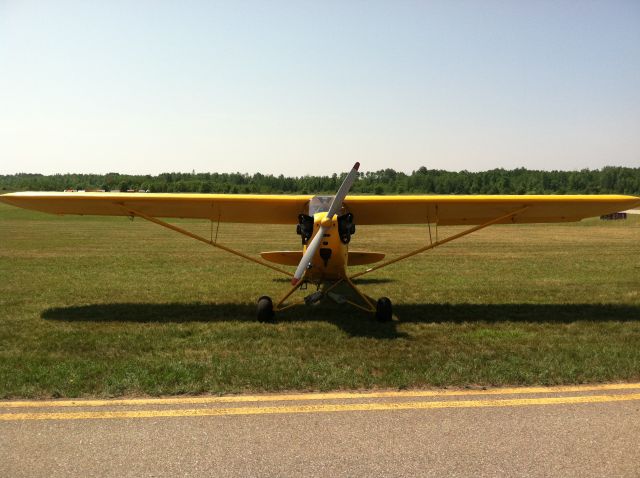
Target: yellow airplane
[[326, 225]]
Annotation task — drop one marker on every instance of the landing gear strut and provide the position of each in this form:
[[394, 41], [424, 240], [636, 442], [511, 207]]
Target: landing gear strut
[[381, 309]]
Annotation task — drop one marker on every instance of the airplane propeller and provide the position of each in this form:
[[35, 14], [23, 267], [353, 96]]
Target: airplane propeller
[[335, 206]]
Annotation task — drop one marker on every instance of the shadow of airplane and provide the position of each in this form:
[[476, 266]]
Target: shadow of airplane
[[355, 324]]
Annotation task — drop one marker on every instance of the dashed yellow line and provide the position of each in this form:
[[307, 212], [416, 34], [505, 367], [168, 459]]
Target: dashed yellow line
[[353, 407], [314, 396]]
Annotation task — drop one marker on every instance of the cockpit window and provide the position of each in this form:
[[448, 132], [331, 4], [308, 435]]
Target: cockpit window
[[319, 204]]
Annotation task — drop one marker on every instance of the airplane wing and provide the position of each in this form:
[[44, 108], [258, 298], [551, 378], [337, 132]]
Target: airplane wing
[[470, 210], [247, 208], [284, 209]]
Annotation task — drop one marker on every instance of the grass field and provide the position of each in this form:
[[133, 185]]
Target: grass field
[[95, 306]]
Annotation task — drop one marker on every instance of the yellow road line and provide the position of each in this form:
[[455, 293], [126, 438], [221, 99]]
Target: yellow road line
[[353, 407], [314, 396]]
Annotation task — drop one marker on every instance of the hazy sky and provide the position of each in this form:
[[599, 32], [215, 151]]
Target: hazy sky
[[310, 87]]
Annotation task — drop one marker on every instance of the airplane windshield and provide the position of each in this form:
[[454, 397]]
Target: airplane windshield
[[319, 204]]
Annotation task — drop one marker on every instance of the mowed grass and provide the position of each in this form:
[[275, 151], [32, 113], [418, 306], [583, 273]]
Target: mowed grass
[[94, 306]]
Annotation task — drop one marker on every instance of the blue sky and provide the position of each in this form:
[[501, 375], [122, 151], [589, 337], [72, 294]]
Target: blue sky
[[310, 87]]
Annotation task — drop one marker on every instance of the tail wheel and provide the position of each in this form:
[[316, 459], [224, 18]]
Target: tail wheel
[[265, 309], [384, 310]]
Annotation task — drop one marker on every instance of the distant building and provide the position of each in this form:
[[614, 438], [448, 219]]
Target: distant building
[[614, 216]]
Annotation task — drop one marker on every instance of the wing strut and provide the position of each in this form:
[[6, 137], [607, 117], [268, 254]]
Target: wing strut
[[439, 243], [213, 243]]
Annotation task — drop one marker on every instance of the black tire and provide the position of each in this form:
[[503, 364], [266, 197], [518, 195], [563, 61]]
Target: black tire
[[265, 309], [384, 310]]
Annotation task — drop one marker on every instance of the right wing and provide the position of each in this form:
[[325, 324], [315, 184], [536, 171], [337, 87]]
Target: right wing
[[454, 209]]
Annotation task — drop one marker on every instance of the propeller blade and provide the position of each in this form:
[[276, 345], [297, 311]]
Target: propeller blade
[[335, 206], [308, 255]]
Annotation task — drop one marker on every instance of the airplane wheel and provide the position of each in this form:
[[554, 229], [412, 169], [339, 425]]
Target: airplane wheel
[[265, 309], [383, 310]]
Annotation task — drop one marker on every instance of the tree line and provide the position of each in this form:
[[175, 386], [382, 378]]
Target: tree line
[[610, 179]]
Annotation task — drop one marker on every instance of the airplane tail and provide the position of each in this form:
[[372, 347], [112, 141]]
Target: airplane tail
[[293, 258]]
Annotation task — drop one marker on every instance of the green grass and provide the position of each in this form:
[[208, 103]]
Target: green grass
[[94, 306]]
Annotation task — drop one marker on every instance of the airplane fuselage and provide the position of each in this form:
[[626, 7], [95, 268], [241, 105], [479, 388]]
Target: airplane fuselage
[[331, 260]]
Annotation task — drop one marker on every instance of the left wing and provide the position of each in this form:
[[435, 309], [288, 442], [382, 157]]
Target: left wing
[[248, 208]]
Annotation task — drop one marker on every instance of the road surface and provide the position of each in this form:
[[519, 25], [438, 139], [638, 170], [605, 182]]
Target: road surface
[[570, 431]]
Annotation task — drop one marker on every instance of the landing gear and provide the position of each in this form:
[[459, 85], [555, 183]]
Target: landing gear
[[265, 309], [383, 310]]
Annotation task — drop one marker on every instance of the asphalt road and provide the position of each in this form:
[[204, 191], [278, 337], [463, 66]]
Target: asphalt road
[[574, 431]]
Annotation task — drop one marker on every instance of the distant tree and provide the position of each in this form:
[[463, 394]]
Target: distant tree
[[498, 181]]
